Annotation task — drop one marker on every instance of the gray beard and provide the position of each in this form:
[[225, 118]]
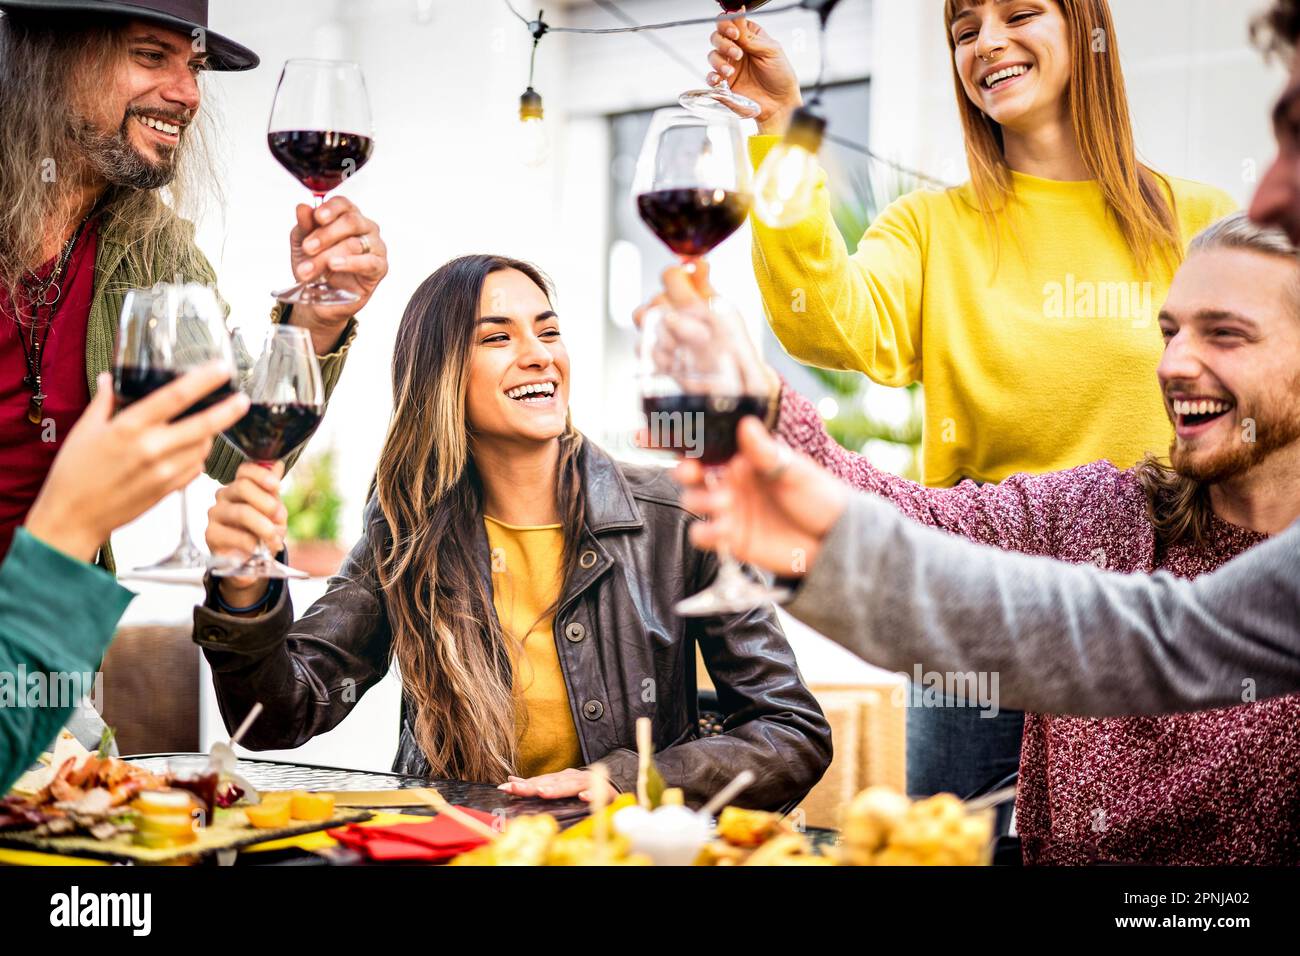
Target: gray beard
[[113, 157]]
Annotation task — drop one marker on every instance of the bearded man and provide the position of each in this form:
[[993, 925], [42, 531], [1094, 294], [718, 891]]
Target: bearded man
[[101, 160], [1216, 787]]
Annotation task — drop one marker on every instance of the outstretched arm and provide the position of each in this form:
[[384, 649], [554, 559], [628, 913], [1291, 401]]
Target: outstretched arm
[[1062, 638]]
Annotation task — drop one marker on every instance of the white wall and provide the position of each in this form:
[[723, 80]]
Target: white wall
[[444, 79]]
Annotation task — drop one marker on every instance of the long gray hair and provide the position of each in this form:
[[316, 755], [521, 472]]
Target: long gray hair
[[50, 74]]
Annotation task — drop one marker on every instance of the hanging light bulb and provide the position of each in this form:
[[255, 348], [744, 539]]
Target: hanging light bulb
[[787, 180], [534, 140]]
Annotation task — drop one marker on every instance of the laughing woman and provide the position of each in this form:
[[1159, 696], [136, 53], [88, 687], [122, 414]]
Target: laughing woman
[[1024, 299], [521, 580]]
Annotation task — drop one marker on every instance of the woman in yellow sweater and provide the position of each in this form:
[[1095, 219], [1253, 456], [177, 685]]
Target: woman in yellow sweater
[[520, 579], [1025, 299]]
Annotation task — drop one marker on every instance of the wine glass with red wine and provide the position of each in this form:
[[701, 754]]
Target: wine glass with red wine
[[287, 401], [692, 181], [163, 333], [320, 131], [721, 99], [694, 395]]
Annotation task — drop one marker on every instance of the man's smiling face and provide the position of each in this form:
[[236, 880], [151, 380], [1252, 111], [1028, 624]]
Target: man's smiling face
[[1230, 373], [138, 119]]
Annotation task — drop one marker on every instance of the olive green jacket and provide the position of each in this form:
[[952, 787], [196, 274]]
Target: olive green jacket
[[115, 274]]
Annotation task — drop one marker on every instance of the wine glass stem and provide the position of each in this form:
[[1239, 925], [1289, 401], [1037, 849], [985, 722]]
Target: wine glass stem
[[262, 554], [187, 540], [725, 559], [322, 280]]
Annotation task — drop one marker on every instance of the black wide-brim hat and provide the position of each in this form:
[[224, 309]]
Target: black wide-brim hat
[[183, 15]]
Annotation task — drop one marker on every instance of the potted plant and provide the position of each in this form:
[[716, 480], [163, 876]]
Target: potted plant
[[314, 505]]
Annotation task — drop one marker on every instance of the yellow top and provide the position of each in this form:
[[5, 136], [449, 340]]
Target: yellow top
[[526, 582], [1047, 364]]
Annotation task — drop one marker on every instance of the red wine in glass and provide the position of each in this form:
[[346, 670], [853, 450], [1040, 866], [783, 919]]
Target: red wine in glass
[[734, 6], [320, 131], [286, 402], [130, 384], [691, 222], [320, 159], [699, 426], [270, 432], [163, 333]]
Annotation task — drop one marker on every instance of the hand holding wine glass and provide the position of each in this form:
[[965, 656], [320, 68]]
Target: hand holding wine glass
[[694, 311], [320, 131], [247, 512], [337, 239], [749, 62], [694, 396], [113, 468], [770, 506], [287, 402]]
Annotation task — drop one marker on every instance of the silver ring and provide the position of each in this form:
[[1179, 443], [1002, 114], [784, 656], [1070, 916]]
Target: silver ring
[[365, 244]]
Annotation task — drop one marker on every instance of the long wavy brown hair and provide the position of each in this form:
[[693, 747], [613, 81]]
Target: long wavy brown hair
[[1102, 127], [455, 660], [50, 75]]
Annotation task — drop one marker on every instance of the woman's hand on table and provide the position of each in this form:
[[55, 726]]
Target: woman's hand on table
[[556, 786], [246, 511]]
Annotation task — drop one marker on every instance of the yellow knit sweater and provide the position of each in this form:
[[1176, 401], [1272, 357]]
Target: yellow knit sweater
[[1038, 353]]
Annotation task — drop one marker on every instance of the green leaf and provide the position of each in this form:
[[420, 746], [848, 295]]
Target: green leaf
[[654, 786]]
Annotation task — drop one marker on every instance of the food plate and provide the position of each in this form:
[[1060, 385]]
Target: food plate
[[229, 831]]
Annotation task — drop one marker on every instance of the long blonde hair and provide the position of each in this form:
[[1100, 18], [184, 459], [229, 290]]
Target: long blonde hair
[[1102, 126], [454, 658], [49, 75]]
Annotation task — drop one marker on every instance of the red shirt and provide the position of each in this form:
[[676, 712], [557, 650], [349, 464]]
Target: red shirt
[[25, 454]]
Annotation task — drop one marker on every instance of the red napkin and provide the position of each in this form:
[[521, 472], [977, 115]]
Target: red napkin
[[439, 839]]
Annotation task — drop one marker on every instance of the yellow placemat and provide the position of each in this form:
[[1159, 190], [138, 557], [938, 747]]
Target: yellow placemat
[[36, 858], [230, 830]]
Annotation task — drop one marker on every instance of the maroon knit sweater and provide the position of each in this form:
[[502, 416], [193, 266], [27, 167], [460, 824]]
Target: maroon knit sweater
[[1216, 787]]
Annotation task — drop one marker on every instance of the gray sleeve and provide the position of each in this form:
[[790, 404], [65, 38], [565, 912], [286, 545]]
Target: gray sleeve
[[1061, 638]]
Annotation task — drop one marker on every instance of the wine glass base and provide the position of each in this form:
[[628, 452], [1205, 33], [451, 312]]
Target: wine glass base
[[255, 567], [186, 557], [718, 103], [730, 597], [311, 293]]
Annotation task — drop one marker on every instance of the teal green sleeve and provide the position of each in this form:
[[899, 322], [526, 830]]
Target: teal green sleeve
[[57, 617]]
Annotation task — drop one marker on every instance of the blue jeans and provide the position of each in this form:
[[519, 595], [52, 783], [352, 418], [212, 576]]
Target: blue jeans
[[955, 750]]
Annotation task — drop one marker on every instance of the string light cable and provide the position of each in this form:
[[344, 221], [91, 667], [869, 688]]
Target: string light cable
[[806, 132]]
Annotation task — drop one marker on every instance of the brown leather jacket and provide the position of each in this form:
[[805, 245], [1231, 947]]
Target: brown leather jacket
[[624, 654]]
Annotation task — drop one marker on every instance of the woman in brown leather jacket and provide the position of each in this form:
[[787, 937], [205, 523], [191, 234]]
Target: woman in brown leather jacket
[[520, 579]]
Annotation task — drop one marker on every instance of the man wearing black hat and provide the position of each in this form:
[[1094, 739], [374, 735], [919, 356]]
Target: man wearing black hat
[[102, 152]]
